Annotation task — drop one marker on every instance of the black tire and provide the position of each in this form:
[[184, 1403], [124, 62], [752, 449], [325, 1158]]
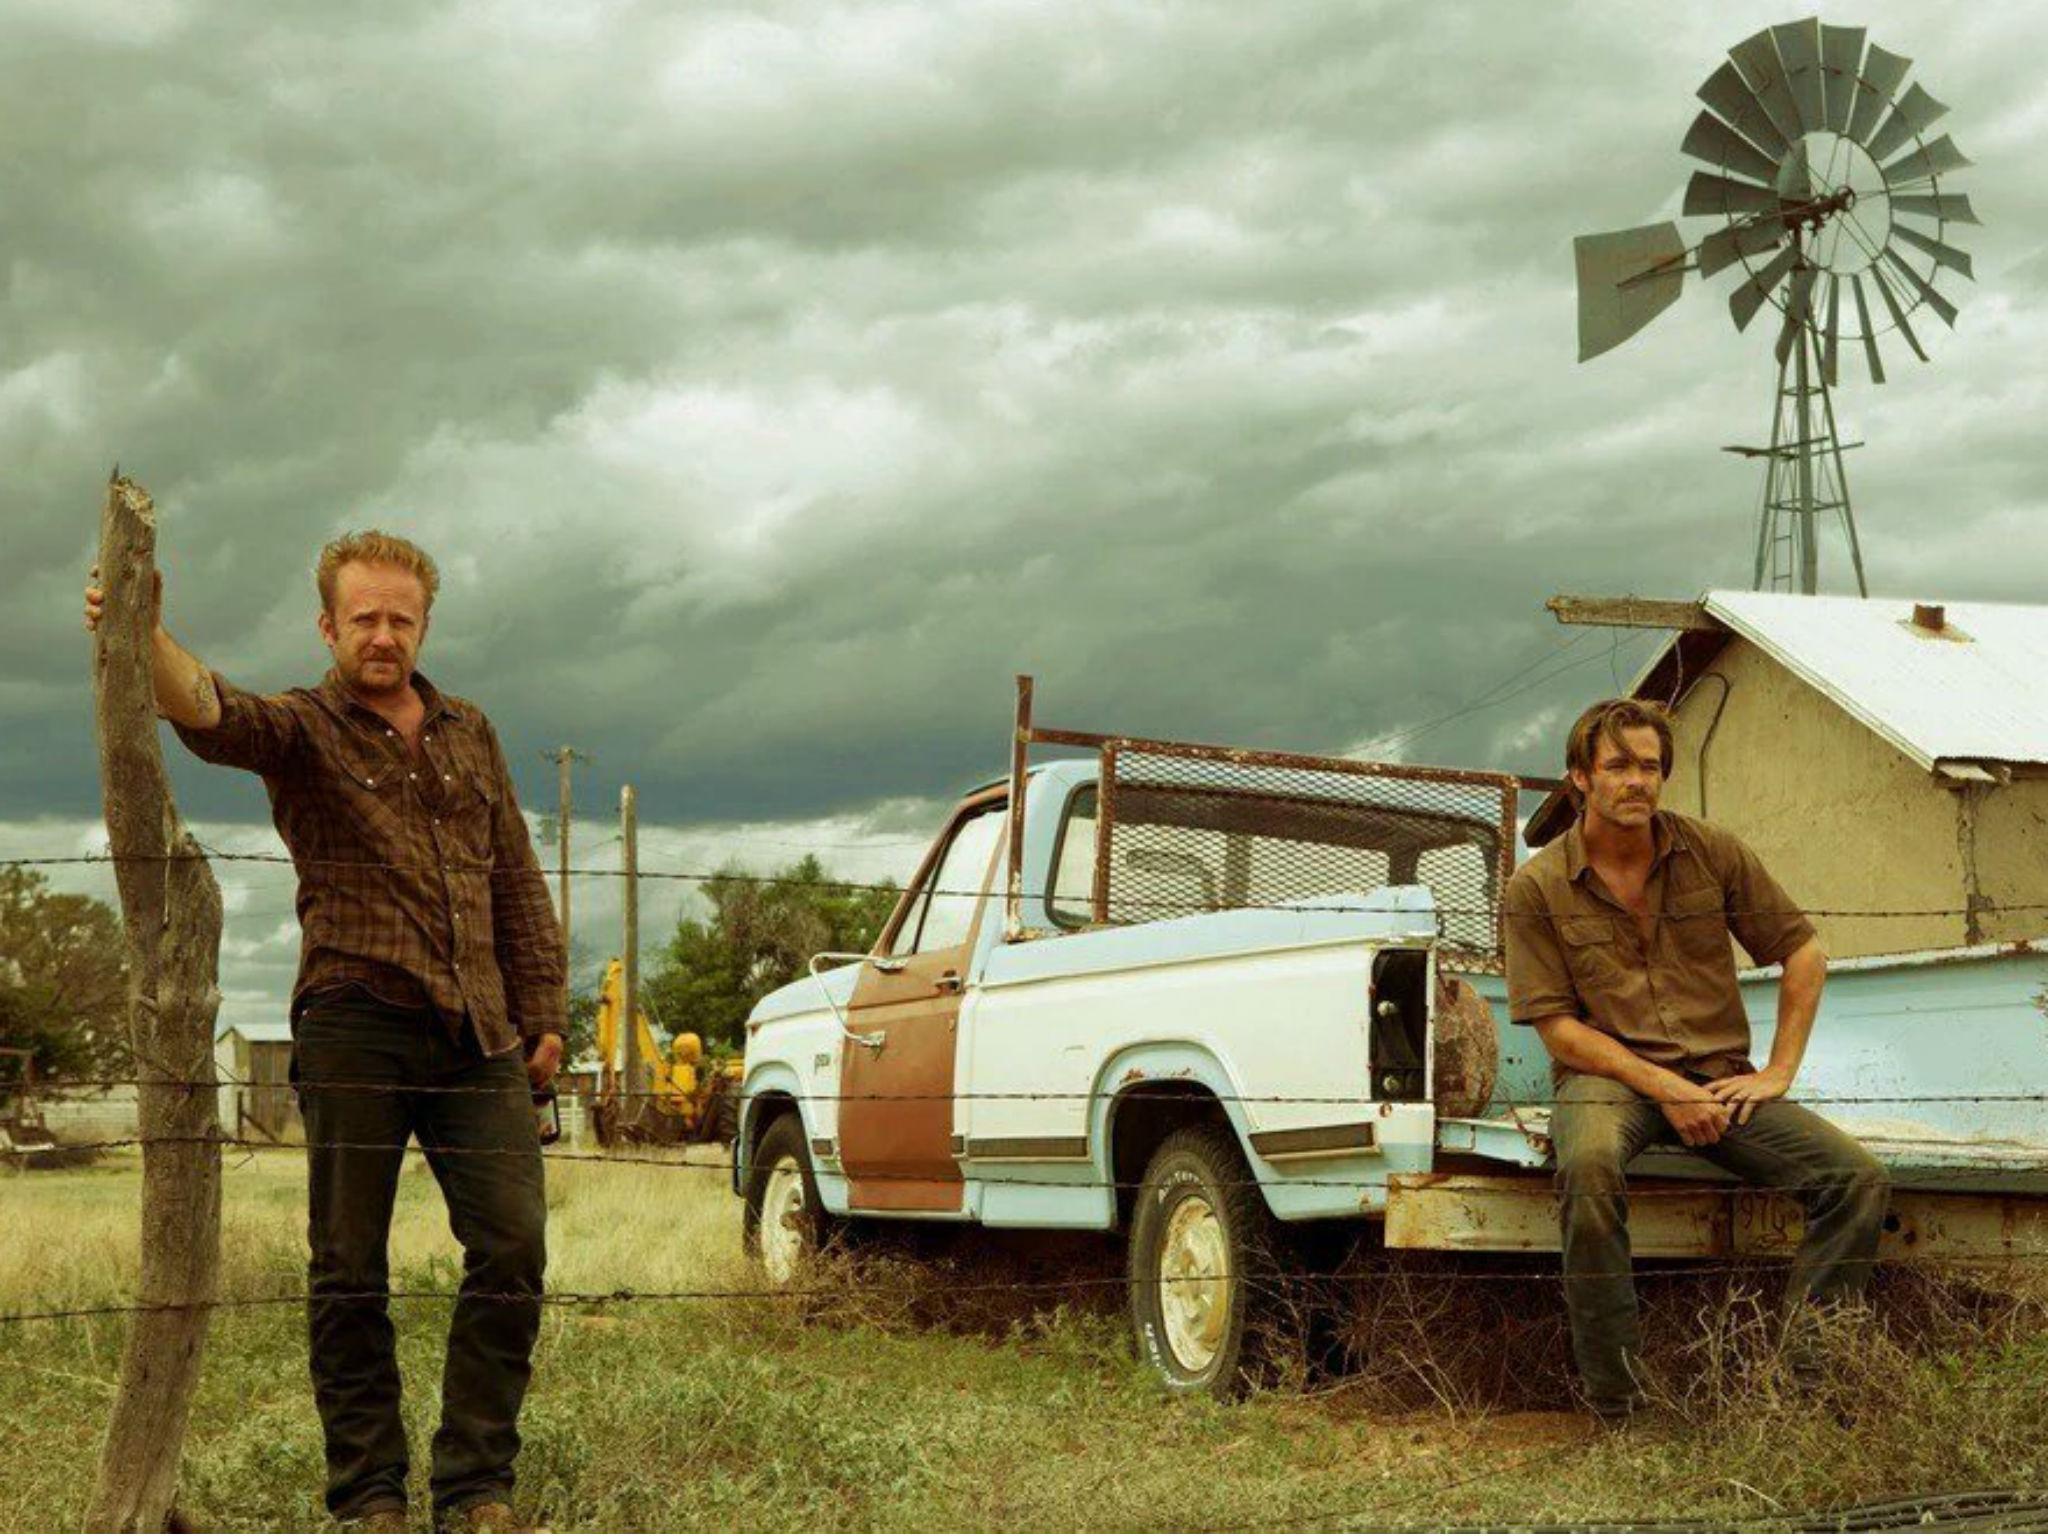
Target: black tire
[[811, 1225], [1243, 1340]]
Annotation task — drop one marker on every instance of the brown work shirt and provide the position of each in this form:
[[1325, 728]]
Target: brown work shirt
[[1573, 948], [417, 879]]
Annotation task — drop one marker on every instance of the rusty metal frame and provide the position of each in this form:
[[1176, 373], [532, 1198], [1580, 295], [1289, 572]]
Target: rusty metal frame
[[1026, 734], [1505, 784]]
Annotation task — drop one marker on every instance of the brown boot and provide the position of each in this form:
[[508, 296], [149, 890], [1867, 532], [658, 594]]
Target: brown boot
[[385, 1517]]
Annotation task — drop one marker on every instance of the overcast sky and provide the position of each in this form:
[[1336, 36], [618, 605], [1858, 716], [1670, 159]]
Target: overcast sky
[[773, 382]]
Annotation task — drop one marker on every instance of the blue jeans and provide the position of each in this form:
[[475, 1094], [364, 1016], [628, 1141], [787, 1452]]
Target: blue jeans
[[1599, 1125], [360, 1066]]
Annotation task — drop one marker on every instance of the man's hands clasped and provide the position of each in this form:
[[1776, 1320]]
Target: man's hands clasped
[[1745, 1091], [1695, 1113], [1703, 1113]]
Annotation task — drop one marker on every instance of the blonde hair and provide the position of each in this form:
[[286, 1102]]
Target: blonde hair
[[372, 546]]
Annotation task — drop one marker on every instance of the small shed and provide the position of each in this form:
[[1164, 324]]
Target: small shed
[[254, 1064], [1879, 754]]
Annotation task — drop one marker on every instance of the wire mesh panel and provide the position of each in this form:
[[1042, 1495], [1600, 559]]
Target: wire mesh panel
[[1186, 829]]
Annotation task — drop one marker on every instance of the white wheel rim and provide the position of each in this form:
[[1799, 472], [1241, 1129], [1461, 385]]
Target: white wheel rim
[[785, 1235], [1194, 1282]]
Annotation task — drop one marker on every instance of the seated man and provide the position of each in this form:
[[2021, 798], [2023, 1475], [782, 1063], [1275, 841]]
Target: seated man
[[1618, 956]]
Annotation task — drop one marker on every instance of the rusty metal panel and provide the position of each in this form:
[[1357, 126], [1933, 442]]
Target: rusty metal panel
[[1479, 1213]]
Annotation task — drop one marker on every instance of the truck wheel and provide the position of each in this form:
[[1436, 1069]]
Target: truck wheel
[[786, 1225], [1204, 1303]]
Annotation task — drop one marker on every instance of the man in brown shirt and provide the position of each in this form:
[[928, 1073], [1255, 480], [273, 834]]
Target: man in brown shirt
[[1619, 957], [429, 1002]]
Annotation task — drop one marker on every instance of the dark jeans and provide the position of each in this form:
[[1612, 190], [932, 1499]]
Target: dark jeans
[[1598, 1125], [485, 1153]]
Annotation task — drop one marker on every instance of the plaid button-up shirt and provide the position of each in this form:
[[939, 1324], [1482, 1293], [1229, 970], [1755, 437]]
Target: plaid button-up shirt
[[417, 878]]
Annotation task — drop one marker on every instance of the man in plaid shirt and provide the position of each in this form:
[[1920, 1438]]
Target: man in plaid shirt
[[430, 1003]]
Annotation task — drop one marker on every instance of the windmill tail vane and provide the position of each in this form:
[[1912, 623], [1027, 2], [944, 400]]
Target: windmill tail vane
[[1824, 182]]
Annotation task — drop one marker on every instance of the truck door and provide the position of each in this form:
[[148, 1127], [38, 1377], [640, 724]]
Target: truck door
[[896, 1099]]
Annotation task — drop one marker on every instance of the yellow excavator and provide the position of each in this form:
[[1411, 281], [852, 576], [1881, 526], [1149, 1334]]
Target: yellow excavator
[[689, 1099]]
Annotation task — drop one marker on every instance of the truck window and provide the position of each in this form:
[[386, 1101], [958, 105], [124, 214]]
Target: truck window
[[1073, 865], [943, 914]]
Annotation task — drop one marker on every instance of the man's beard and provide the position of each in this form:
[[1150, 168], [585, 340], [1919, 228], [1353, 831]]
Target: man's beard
[[352, 675]]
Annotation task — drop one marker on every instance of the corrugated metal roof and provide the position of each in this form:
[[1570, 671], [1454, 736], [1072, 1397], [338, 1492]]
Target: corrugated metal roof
[[1978, 692]]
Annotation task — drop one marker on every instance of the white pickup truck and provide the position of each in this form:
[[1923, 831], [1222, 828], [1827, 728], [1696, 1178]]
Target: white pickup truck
[[1198, 996], [1056, 1051]]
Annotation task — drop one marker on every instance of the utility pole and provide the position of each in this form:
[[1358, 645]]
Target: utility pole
[[561, 757], [629, 958]]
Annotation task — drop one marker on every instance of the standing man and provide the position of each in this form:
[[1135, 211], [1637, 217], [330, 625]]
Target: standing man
[[430, 1002], [1619, 957]]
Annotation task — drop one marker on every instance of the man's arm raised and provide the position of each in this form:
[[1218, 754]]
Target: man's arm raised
[[185, 691]]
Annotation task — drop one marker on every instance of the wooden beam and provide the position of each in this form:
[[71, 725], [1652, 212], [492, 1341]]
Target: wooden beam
[[1633, 613], [171, 907]]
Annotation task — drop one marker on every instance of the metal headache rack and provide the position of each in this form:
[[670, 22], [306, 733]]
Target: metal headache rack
[[1182, 828]]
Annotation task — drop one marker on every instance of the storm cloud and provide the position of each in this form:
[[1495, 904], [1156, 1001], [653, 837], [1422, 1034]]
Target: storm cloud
[[775, 381]]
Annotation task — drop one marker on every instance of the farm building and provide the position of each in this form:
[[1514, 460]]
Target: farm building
[[1876, 753], [254, 1065]]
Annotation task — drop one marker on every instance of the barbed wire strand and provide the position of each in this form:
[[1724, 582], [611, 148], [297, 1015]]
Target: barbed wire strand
[[890, 888], [87, 1082], [1931, 1181]]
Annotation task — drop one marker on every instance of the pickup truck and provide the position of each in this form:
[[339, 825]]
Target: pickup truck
[[1198, 997]]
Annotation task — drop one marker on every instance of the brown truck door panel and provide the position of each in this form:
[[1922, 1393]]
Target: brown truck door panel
[[896, 1100]]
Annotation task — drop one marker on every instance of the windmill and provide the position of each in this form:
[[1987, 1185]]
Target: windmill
[[1825, 182]]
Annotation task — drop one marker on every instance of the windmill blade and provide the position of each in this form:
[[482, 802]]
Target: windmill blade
[[1841, 56], [1757, 59], [1944, 255], [1882, 73], [1723, 197], [1869, 331], [1799, 51], [1828, 370], [1798, 309], [1891, 302], [1933, 299], [1627, 278], [1950, 207], [1734, 101], [1914, 115], [1713, 141], [1725, 247], [1746, 300], [1795, 174], [1937, 159]]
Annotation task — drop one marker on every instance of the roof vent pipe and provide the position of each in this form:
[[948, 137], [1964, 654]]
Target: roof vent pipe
[[1929, 616]]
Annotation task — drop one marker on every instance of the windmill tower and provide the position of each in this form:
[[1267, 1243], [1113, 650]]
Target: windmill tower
[[1823, 180]]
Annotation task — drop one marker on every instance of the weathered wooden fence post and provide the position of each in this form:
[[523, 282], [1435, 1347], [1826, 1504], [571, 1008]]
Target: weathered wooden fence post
[[171, 907]]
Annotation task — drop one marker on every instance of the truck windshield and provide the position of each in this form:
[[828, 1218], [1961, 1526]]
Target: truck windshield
[[942, 915]]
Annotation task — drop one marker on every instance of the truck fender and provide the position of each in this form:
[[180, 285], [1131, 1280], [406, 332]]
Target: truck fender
[[772, 1080], [1175, 1064]]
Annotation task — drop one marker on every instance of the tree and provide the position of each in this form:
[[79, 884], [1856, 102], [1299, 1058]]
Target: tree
[[63, 978], [760, 935]]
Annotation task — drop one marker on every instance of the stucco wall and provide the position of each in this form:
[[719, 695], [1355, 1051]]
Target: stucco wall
[[2012, 860], [1842, 818]]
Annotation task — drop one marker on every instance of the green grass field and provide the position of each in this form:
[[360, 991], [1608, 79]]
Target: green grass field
[[981, 1410]]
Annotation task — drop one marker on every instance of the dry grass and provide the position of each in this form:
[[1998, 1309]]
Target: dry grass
[[931, 1392]]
